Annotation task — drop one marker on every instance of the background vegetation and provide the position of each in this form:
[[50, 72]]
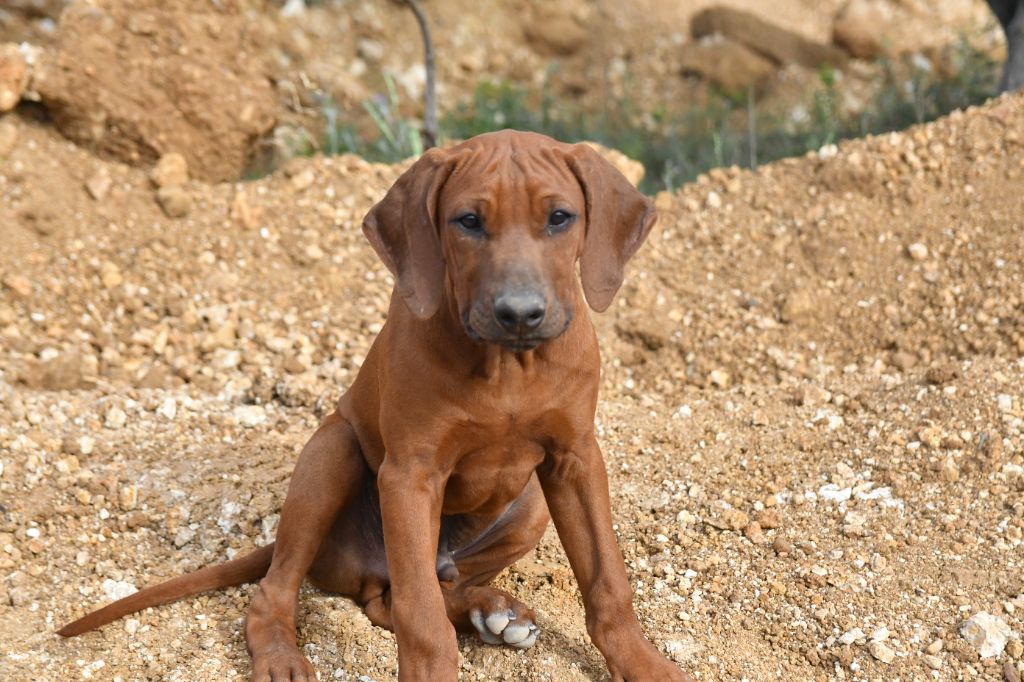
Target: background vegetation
[[728, 129]]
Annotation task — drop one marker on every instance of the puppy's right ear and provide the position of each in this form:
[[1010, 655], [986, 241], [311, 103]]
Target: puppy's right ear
[[403, 230]]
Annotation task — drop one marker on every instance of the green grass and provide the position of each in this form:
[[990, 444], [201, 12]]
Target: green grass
[[676, 147]]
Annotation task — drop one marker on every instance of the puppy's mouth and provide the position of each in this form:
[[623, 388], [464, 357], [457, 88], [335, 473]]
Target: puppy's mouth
[[518, 344]]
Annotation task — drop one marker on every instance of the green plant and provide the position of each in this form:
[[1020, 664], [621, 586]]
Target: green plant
[[677, 146], [398, 137]]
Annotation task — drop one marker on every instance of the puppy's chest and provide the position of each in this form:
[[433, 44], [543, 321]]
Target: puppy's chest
[[493, 457]]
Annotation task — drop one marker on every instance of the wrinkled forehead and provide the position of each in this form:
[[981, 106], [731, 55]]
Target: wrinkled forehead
[[506, 174]]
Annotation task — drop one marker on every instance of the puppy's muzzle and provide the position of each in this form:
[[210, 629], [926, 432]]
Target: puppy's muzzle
[[520, 312]]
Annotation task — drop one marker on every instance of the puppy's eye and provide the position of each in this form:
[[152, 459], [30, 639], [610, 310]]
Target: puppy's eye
[[471, 222], [559, 220]]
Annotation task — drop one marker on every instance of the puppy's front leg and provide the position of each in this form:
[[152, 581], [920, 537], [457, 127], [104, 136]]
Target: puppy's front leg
[[576, 489], [411, 495]]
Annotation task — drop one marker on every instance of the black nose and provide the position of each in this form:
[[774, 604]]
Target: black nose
[[519, 312]]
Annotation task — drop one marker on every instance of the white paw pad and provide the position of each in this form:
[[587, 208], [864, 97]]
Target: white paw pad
[[502, 627]]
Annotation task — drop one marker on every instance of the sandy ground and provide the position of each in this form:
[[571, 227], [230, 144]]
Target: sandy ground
[[811, 411]]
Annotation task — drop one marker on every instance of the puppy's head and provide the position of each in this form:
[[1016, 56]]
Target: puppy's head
[[498, 223]]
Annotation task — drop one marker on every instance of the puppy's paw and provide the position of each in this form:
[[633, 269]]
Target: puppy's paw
[[500, 619]]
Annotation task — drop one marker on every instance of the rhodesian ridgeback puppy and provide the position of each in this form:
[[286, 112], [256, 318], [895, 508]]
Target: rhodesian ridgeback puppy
[[471, 417]]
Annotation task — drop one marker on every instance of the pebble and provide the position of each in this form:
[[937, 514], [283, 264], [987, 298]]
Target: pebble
[[1010, 673], [99, 183], [851, 636], [250, 415], [111, 275], [880, 651], [13, 76], [713, 200], [115, 418], [782, 546], [932, 661], [174, 201], [170, 171], [935, 647], [19, 284], [917, 251], [988, 634], [168, 408], [754, 533], [118, 589], [720, 378]]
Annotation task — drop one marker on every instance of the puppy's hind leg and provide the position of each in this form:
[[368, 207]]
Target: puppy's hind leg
[[327, 477]]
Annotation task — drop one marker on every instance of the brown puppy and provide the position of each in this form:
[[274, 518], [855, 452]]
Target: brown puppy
[[472, 416]]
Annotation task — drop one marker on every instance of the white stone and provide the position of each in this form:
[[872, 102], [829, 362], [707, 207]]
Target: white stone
[[250, 415], [986, 633], [115, 419], [918, 251], [168, 408], [118, 589]]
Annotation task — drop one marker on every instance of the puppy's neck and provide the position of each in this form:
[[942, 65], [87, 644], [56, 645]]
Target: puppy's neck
[[499, 360]]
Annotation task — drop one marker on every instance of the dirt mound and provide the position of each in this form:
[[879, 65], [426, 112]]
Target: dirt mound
[[135, 80], [811, 409]]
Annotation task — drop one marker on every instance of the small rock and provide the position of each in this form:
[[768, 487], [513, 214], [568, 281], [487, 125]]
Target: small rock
[[1010, 673], [174, 201], [713, 200], [303, 180], [812, 395], [754, 533], [878, 563], [880, 651], [932, 661], [242, 212], [131, 626], [168, 408], [949, 470], [782, 546], [183, 536], [730, 65], [13, 76], [170, 171], [720, 378], [935, 647], [118, 589], [19, 284], [111, 275], [99, 183], [903, 360], [555, 29], [115, 418], [250, 415], [917, 251], [128, 497], [988, 634], [1015, 648], [851, 636], [769, 519], [943, 373]]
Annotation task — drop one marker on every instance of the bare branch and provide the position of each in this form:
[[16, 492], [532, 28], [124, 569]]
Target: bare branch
[[430, 96]]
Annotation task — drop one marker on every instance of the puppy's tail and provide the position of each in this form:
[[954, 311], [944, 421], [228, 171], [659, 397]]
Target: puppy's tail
[[235, 572]]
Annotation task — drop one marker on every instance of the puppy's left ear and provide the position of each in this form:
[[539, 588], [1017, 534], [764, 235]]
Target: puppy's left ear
[[618, 220], [402, 228]]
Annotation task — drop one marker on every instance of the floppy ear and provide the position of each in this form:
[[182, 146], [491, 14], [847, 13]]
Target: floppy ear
[[618, 220], [402, 228]]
